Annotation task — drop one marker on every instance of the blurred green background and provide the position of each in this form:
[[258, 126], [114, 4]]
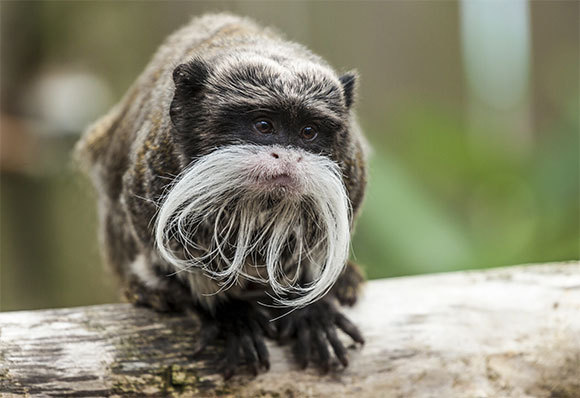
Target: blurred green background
[[471, 109]]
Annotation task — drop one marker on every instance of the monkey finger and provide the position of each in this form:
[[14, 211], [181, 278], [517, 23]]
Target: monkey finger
[[336, 345], [263, 354], [349, 328], [249, 353], [232, 355], [319, 342], [302, 346], [260, 345]]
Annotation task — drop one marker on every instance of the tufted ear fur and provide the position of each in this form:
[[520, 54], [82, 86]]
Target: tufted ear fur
[[348, 82], [189, 80], [191, 75]]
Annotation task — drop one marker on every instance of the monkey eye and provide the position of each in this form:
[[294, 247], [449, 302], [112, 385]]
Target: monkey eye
[[264, 126], [308, 133]]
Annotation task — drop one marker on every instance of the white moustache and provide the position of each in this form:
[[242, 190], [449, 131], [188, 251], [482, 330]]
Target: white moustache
[[265, 200]]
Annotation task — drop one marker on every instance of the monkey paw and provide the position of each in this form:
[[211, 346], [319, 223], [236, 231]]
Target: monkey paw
[[244, 328], [312, 329]]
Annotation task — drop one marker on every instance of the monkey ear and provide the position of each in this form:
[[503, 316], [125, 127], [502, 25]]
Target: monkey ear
[[191, 76], [189, 80], [348, 81]]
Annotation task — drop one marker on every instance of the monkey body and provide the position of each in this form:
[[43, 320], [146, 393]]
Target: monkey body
[[212, 194]]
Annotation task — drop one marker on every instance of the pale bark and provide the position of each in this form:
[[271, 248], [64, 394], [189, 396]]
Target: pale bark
[[511, 332]]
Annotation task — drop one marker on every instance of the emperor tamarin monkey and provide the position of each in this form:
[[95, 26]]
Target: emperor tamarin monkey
[[228, 180]]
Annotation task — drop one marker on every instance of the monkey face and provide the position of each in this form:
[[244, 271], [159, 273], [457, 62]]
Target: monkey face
[[264, 140], [296, 105]]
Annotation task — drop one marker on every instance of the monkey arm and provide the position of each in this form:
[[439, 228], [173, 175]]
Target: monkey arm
[[172, 297], [242, 325], [348, 286]]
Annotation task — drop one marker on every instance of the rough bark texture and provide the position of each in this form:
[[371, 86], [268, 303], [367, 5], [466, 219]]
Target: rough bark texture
[[512, 332]]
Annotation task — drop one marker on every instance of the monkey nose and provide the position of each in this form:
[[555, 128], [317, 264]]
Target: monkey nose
[[287, 156]]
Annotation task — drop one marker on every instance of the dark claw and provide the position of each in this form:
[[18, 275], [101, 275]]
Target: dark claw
[[349, 328], [260, 346], [322, 348], [337, 346], [263, 355], [232, 356], [249, 353]]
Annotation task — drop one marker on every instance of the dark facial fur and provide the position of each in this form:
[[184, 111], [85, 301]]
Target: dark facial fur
[[203, 91], [227, 102]]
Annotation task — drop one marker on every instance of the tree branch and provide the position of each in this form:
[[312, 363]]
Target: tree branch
[[512, 332]]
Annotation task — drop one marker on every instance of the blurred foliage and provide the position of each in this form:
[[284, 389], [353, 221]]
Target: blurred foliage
[[448, 204], [454, 183]]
